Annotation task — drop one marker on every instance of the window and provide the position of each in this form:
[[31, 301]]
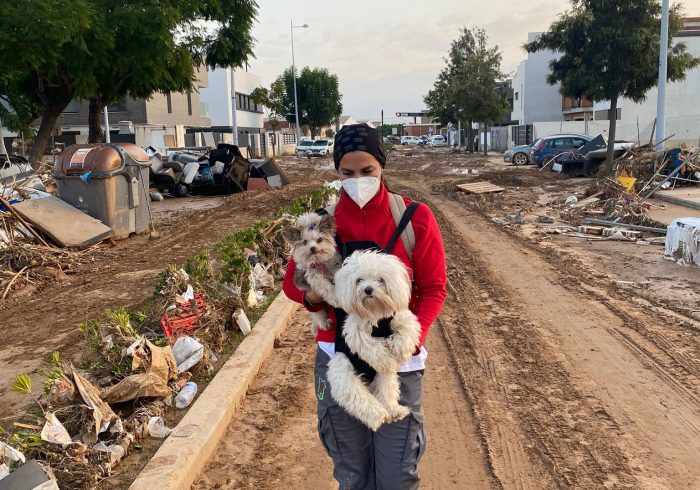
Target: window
[[189, 103], [578, 142], [119, 106], [169, 102], [516, 95]]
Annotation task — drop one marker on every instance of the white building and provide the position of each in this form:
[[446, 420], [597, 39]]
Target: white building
[[223, 89], [533, 98]]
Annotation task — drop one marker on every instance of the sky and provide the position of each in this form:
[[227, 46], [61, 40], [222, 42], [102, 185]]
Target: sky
[[387, 53]]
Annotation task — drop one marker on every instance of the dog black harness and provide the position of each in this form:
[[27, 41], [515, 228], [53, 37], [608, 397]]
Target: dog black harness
[[383, 328]]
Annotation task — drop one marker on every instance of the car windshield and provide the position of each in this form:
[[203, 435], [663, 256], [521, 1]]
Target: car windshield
[[439, 138], [320, 143], [305, 143]]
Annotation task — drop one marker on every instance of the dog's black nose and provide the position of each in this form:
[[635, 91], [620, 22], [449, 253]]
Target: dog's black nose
[[369, 291], [313, 250]]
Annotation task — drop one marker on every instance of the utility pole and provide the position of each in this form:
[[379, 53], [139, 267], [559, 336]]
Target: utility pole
[[107, 138], [294, 75], [663, 71], [234, 107], [382, 123]]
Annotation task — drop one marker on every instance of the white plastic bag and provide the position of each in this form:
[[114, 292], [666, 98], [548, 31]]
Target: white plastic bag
[[10, 455], [156, 428], [187, 352], [54, 432]]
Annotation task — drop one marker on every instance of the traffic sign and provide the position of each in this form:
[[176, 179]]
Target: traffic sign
[[411, 114]]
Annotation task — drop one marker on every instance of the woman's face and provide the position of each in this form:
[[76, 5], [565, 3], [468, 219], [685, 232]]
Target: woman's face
[[359, 164]]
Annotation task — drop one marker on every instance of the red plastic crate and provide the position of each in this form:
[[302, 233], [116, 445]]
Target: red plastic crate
[[184, 323]]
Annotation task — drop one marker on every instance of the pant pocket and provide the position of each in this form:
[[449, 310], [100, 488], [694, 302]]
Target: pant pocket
[[326, 433], [415, 442]]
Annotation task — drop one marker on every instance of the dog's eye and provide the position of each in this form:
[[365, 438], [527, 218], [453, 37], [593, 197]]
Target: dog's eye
[[319, 240], [380, 280], [358, 281], [306, 242]]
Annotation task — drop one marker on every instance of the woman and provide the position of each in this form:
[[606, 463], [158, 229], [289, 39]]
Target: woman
[[386, 459]]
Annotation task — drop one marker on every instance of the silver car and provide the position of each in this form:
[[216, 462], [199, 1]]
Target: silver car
[[518, 155]]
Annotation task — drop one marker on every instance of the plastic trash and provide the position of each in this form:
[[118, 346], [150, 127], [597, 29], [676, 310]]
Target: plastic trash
[[186, 296], [155, 196], [242, 321], [10, 455], [218, 168], [156, 428], [54, 432], [252, 298], [4, 471], [186, 395], [188, 352], [571, 200]]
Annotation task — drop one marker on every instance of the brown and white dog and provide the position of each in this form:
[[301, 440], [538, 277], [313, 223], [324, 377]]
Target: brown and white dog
[[312, 239]]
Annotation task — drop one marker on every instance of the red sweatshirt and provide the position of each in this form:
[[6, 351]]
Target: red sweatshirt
[[375, 223]]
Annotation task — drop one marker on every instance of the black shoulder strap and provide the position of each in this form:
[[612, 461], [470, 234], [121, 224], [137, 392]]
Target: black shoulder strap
[[405, 220]]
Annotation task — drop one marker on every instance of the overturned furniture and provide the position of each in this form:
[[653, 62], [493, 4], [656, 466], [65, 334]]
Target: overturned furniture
[[108, 182], [266, 174]]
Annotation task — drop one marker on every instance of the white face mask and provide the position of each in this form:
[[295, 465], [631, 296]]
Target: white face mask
[[361, 190]]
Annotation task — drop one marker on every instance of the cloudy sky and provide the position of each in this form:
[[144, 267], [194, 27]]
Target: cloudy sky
[[387, 53]]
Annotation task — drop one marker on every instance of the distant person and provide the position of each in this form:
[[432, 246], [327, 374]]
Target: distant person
[[388, 458]]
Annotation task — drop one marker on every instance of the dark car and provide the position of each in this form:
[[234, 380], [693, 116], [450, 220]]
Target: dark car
[[547, 148]]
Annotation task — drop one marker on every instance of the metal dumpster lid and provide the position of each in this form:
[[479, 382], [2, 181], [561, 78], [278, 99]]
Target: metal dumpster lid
[[99, 158]]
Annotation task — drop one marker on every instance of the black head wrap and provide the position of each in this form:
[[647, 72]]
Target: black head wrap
[[358, 137]]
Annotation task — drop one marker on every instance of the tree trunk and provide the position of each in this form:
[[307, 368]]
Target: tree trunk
[[611, 137], [313, 131], [470, 137], [96, 134], [486, 139], [48, 121]]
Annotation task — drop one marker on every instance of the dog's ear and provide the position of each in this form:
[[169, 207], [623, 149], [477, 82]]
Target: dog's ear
[[327, 224], [292, 234]]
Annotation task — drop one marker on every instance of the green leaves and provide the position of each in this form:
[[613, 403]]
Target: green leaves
[[22, 385], [466, 88]]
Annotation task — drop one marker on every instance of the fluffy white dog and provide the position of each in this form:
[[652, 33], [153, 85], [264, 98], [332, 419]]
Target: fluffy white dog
[[371, 286]]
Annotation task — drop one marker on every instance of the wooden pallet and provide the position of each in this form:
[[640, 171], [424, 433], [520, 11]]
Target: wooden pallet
[[479, 188]]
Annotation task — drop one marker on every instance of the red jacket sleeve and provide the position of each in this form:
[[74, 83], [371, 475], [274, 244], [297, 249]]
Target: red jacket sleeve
[[429, 273], [293, 292]]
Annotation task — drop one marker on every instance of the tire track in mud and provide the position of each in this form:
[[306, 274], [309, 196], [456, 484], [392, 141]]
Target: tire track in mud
[[519, 367]]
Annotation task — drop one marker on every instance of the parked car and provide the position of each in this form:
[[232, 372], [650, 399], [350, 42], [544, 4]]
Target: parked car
[[410, 140], [518, 155], [321, 148], [393, 139], [545, 149], [436, 141], [14, 168], [304, 146]]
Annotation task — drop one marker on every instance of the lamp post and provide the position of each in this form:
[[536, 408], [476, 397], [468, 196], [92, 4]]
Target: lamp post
[[107, 138], [294, 77], [663, 71]]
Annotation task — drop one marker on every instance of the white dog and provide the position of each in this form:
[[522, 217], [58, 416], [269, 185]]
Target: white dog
[[371, 286]]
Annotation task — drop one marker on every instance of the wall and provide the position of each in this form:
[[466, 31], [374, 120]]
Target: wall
[[542, 101], [518, 113], [215, 95], [245, 83], [135, 112]]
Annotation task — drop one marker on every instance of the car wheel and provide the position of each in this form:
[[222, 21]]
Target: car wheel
[[520, 159], [546, 161]]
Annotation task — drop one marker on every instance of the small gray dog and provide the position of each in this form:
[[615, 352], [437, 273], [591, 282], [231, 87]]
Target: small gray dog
[[312, 238]]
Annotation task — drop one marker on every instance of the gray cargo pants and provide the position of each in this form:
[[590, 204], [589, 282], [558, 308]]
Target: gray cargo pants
[[366, 460]]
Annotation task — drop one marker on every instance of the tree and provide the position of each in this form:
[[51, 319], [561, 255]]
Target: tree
[[611, 50], [169, 64], [48, 48], [318, 94], [467, 86], [103, 50]]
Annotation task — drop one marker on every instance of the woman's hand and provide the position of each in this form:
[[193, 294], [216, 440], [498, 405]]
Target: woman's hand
[[312, 297]]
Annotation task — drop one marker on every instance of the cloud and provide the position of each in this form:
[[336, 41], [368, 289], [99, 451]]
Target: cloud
[[387, 53]]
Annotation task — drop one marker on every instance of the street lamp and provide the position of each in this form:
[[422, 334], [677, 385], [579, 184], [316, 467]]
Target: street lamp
[[294, 77]]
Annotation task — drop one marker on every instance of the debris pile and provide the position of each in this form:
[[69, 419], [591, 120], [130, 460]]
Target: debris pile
[[140, 365]]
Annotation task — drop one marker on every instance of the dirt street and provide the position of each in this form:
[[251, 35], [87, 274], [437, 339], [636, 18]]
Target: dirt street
[[558, 361], [551, 366]]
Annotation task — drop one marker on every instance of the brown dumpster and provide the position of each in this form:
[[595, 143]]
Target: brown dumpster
[[108, 182]]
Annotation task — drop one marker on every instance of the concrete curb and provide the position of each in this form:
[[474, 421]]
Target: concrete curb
[[181, 458]]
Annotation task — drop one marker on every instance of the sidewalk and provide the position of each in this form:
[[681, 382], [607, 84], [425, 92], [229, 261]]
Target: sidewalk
[[685, 196]]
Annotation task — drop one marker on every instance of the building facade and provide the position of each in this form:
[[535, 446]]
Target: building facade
[[162, 121], [228, 97], [533, 98]]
